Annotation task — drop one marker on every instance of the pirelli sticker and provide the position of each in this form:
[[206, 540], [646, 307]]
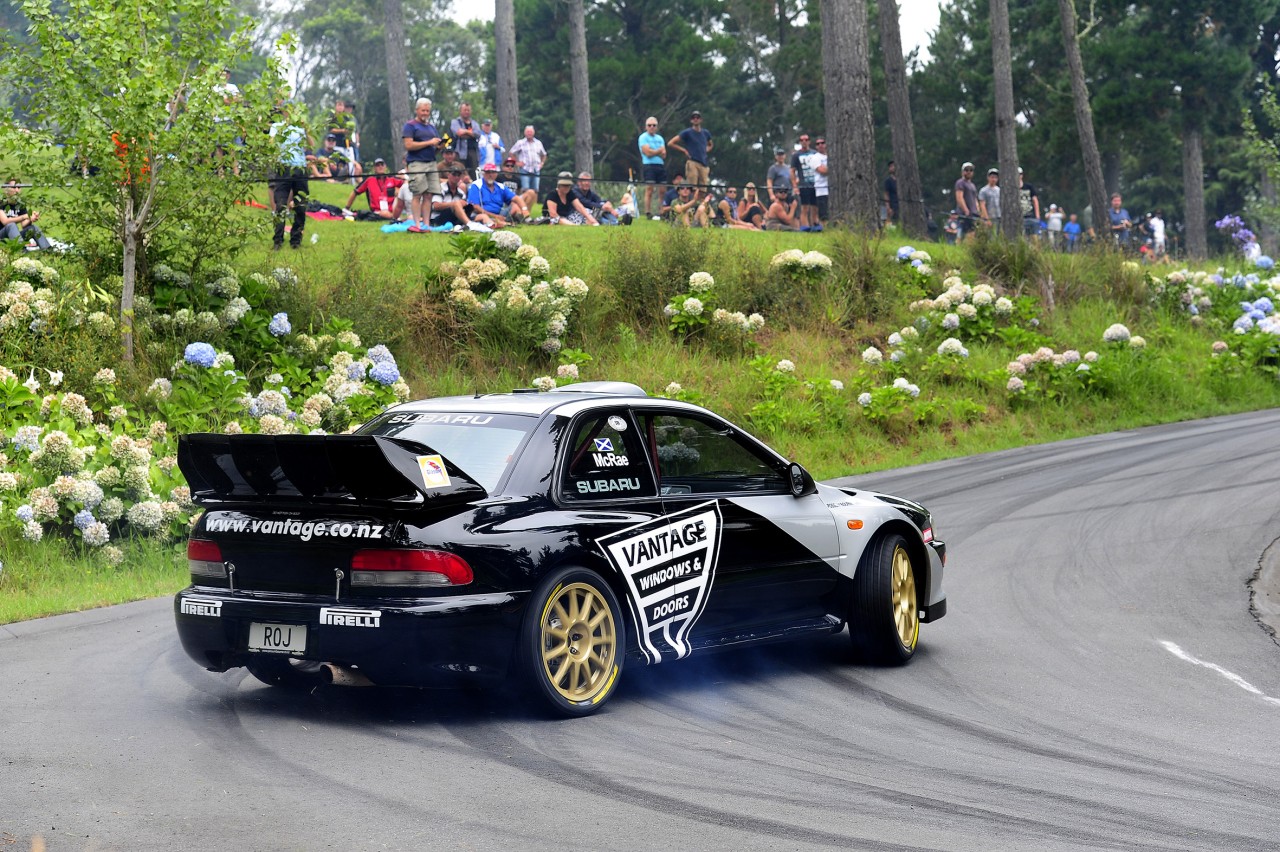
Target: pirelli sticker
[[201, 606], [669, 564], [345, 617]]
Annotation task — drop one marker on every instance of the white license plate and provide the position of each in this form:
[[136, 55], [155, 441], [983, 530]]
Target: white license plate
[[278, 638]]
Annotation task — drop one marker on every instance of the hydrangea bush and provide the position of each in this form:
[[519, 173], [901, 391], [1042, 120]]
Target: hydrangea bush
[[696, 311]]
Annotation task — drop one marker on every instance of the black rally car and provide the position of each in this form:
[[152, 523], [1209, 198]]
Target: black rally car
[[549, 536]]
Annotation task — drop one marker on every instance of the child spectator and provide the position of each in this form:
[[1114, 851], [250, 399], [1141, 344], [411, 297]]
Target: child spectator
[[1071, 233]]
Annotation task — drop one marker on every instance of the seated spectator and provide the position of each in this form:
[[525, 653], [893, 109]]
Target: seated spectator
[[450, 206], [16, 221], [509, 176], [627, 205], [340, 165], [671, 195], [318, 166], [683, 207], [564, 206], [500, 205], [750, 210], [602, 210], [784, 212], [381, 190]]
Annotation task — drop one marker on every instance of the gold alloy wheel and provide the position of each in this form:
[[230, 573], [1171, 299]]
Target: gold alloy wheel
[[579, 642], [906, 615]]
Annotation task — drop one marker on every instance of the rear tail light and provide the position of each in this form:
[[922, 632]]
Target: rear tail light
[[409, 568], [205, 558]]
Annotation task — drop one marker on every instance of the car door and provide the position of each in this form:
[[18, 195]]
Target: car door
[[777, 555]]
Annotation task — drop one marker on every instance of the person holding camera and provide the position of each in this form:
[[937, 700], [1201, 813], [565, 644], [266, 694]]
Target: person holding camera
[[1120, 222], [16, 221]]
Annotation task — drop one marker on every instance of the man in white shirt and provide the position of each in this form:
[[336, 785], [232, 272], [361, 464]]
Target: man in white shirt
[[1156, 226], [491, 146], [531, 156]]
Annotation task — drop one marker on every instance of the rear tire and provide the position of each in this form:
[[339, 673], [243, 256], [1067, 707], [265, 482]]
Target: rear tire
[[884, 613], [286, 672], [572, 642]]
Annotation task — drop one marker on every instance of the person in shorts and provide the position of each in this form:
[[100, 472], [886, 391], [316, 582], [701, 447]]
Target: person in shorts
[[695, 143], [421, 141], [653, 153], [966, 203]]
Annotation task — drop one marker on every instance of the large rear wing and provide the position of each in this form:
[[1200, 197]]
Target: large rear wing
[[328, 470]]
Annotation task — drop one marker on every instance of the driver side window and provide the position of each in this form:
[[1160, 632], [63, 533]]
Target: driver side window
[[695, 456]]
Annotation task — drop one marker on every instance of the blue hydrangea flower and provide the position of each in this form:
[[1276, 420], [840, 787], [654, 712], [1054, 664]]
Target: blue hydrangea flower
[[380, 353], [200, 354], [1252, 278], [279, 326], [1243, 324], [1265, 305], [1216, 279], [1246, 306], [355, 371], [25, 513], [1256, 315], [904, 253], [385, 373], [1193, 310], [1265, 262], [84, 519]]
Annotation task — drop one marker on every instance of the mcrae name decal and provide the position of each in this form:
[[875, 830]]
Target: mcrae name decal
[[669, 564], [303, 530]]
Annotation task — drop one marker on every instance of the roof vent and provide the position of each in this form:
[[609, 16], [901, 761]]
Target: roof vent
[[615, 388]]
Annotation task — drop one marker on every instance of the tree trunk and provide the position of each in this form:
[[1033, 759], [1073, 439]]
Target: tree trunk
[[130, 275], [507, 97], [1084, 112], [846, 75], [910, 193], [1193, 190], [582, 150], [397, 75], [1266, 227], [1006, 136]]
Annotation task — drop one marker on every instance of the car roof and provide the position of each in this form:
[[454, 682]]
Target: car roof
[[529, 401]]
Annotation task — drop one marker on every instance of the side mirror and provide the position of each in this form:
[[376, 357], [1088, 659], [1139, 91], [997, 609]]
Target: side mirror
[[802, 483]]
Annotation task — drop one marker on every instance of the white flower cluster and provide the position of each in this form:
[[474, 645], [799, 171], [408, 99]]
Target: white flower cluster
[[544, 383], [785, 366], [794, 260], [506, 240], [737, 321], [1116, 333], [24, 307], [904, 385], [701, 282], [952, 346]]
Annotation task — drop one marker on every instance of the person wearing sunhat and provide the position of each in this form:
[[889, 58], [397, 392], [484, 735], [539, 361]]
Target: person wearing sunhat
[[381, 190], [563, 205], [695, 143]]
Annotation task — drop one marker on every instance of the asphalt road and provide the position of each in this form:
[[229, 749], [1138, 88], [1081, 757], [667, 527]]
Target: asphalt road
[[1099, 683]]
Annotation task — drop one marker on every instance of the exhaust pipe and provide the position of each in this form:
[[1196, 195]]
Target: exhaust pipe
[[343, 676]]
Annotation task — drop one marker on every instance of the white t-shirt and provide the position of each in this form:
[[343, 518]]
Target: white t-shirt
[[491, 148], [820, 184], [1157, 229]]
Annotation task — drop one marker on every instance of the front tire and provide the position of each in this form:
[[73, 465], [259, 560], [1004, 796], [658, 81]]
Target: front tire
[[884, 614], [572, 643]]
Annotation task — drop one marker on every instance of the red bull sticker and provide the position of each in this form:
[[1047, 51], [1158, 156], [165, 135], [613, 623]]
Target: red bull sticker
[[433, 472]]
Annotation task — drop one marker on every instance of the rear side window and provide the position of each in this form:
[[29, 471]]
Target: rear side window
[[605, 460]]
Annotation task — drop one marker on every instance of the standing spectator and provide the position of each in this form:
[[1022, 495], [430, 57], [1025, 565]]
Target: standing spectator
[[420, 144], [1120, 222], [16, 221], [989, 199], [354, 139], [288, 181], [1071, 233], [490, 144], [380, 189], [1029, 201], [500, 204], [802, 176], [695, 143], [531, 156], [1156, 224], [821, 185], [465, 136], [966, 203], [779, 174], [342, 127], [1053, 219], [891, 195], [564, 205], [653, 155], [602, 210]]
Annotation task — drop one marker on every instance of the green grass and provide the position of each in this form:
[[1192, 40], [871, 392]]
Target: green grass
[[386, 283]]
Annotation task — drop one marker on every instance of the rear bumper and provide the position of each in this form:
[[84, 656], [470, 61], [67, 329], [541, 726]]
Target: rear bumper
[[424, 642]]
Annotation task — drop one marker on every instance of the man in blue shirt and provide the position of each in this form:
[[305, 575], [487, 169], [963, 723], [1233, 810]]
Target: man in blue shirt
[[653, 152], [695, 143], [500, 204], [1120, 223], [420, 143]]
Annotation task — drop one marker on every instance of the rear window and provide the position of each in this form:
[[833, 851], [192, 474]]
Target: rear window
[[482, 445]]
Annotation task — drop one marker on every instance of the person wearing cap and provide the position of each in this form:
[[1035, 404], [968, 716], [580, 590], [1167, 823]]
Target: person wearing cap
[[989, 199], [449, 207], [603, 210], [1029, 201], [951, 231], [342, 129], [695, 143], [779, 174], [381, 190], [464, 132], [563, 205], [653, 157], [670, 197], [684, 207], [891, 195], [966, 203], [783, 213], [531, 157], [499, 205], [1054, 221], [490, 144], [802, 176], [421, 142]]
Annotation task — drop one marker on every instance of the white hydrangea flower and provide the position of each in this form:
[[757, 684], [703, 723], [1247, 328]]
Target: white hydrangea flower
[[567, 371], [1116, 333], [701, 282], [1137, 342], [785, 366], [837, 385], [872, 355], [1015, 385], [864, 399], [673, 388], [544, 383], [692, 307]]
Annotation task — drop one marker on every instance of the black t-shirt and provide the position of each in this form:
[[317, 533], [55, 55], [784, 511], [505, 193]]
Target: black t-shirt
[[562, 208], [891, 190], [590, 199], [1025, 194]]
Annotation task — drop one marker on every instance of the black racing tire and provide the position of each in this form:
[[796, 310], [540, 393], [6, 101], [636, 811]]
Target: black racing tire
[[286, 672], [572, 642], [884, 612]]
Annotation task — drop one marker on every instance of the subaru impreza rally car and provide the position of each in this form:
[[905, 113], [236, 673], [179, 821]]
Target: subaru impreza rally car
[[555, 537]]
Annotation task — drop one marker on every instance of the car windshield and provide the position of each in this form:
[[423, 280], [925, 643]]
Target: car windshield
[[482, 445]]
